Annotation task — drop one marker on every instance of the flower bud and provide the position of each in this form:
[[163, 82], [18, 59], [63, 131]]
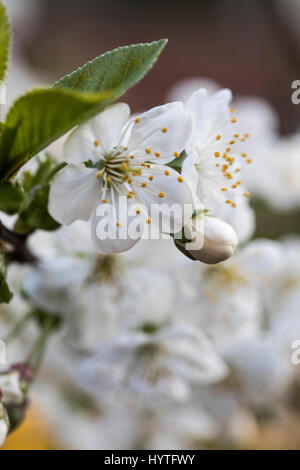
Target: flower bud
[[208, 239], [13, 392], [4, 425]]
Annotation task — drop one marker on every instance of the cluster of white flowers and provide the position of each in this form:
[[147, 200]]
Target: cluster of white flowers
[[157, 351], [114, 156]]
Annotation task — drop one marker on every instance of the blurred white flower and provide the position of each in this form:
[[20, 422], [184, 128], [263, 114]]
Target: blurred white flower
[[162, 364]]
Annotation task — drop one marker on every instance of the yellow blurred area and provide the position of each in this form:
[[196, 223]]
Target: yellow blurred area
[[33, 434]]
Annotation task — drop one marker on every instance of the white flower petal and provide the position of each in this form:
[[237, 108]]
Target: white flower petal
[[166, 195], [98, 135], [73, 194], [114, 223], [164, 130]]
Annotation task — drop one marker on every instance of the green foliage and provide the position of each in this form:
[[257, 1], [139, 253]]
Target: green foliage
[[34, 211], [4, 41], [43, 115], [5, 293], [115, 71], [11, 197]]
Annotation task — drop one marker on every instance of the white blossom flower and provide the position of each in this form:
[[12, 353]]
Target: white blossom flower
[[212, 167], [128, 159], [163, 364]]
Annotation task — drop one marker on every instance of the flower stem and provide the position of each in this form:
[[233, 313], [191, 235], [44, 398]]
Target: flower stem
[[18, 328], [38, 350]]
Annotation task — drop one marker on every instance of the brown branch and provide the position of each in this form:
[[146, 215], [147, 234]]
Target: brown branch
[[16, 246]]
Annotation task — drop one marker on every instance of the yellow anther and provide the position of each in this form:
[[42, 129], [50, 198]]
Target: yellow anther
[[217, 164], [217, 154], [232, 142], [99, 174], [236, 135], [138, 211], [104, 201], [118, 224], [225, 167], [148, 165], [129, 196], [247, 135], [234, 186], [228, 201], [144, 184], [242, 139], [233, 204], [239, 182], [137, 120], [228, 149], [180, 179], [129, 180], [229, 175], [232, 110], [249, 160], [167, 172], [218, 137], [234, 119], [161, 194], [108, 179], [132, 157], [151, 178], [243, 155], [164, 130], [237, 170], [124, 165], [96, 143], [246, 194], [143, 164], [176, 154], [224, 189], [157, 154], [149, 220], [148, 150]]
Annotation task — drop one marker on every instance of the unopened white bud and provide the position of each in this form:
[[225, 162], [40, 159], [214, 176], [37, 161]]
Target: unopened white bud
[[3, 425], [212, 239], [11, 387]]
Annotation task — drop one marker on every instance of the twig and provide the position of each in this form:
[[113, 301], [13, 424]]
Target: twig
[[18, 250]]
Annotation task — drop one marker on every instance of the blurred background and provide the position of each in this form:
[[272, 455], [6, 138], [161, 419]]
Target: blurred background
[[251, 47]]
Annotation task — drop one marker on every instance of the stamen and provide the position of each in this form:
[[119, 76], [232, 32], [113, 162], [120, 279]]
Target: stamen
[[157, 154], [161, 194], [224, 189], [167, 172], [148, 150], [96, 143], [180, 179], [144, 184], [218, 137], [151, 178], [233, 120], [176, 154], [246, 194], [164, 130], [137, 120], [217, 154], [118, 224]]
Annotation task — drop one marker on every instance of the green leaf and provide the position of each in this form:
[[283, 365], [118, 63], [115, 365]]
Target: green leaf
[[5, 293], [35, 214], [115, 71], [11, 197], [4, 41], [40, 117], [43, 115]]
